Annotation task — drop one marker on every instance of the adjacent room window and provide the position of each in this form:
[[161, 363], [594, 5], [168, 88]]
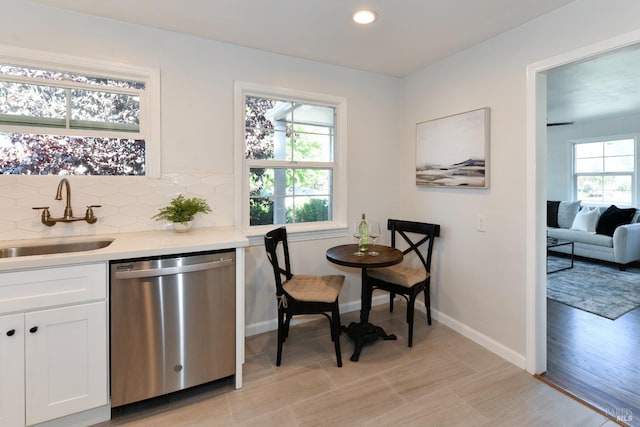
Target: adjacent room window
[[291, 159], [61, 121], [604, 171]]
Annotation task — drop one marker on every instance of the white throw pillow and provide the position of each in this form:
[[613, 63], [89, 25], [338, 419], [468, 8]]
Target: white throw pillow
[[586, 220]]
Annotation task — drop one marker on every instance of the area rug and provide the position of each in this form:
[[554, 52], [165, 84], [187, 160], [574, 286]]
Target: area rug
[[601, 289]]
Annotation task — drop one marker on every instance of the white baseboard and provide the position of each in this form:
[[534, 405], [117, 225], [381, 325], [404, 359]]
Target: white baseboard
[[490, 344], [272, 324]]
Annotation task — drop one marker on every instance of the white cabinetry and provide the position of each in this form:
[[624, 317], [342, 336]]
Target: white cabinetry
[[12, 370], [53, 343]]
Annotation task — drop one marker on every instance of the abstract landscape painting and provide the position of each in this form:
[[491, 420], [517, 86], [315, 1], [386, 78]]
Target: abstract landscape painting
[[452, 151]]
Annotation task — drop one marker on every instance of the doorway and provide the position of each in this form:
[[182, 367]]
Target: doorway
[[537, 194]]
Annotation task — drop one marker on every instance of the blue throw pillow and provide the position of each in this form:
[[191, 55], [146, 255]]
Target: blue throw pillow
[[612, 218]]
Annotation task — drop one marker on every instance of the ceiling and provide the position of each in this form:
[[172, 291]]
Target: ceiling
[[408, 36], [605, 86]]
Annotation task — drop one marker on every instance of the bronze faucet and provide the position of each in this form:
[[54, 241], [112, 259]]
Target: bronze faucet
[[68, 212]]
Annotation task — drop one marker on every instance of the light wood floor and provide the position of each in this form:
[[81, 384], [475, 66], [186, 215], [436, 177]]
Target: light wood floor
[[444, 380]]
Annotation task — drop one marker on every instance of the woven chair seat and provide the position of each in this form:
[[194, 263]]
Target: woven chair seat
[[400, 274], [304, 287]]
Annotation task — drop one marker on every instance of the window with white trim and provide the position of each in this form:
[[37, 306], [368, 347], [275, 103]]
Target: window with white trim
[[604, 171], [61, 119], [292, 156]]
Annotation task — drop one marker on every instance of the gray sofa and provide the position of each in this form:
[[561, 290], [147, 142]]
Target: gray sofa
[[622, 248]]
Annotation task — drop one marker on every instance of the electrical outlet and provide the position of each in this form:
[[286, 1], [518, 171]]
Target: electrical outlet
[[482, 223]]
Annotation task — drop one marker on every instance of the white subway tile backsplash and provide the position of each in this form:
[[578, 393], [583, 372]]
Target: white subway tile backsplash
[[183, 180], [136, 189], [7, 226], [18, 191], [127, 203], [16, 234], [118, 220], [120, 200], [99, 189]]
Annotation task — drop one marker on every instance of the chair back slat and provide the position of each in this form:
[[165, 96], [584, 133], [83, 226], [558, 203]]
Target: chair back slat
[[422, 244], [271, 241]]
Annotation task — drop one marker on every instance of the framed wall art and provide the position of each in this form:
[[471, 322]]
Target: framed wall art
[[453, 151]]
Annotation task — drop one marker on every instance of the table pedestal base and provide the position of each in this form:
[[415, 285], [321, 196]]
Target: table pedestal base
[[365, 333]]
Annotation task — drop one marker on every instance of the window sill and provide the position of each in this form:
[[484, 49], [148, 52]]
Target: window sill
[[299, 232]]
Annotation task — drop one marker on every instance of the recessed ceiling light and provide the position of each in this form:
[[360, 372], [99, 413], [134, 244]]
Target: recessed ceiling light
[[364, 16]]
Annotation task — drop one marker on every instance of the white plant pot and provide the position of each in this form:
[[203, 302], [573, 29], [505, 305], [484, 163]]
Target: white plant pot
[[182, 227]]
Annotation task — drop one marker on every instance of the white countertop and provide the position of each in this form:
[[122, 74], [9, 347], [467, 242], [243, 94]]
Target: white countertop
[[128, 245]]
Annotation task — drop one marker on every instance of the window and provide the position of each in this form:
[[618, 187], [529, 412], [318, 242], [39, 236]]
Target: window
[[62, 119], [604, 171], [291, 159]]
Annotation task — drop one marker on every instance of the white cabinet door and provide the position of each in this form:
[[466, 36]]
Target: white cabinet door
[[12, 370], [66, 361]]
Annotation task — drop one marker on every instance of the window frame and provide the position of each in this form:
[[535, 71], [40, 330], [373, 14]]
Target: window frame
[[604, 139], [298, 231], [150, 129]]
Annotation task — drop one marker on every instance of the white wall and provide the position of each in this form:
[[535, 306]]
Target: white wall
[[480, 277], [197, 136], [559, 149]]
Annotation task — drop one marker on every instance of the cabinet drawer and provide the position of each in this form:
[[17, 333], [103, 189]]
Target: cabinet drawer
[[32, 289]]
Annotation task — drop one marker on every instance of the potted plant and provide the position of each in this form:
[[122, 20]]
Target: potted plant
[[181, 212]]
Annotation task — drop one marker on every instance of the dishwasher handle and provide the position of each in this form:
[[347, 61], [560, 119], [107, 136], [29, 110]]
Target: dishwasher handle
[[165, 271]]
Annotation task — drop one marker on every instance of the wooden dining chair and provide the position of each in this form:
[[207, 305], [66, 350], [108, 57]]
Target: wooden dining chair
[[301, 294], [403, 279]]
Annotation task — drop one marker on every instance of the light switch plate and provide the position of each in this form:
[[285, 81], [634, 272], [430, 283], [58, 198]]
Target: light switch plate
[[482, 223]]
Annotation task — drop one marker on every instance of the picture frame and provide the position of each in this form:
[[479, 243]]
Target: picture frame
[[453, 151]]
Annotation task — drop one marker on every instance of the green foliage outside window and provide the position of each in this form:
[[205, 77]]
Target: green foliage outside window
[[306, 189], [312, 211], [261, 211]]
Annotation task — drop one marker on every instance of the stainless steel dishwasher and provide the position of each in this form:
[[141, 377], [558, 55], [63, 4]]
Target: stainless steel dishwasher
[[172, 323]]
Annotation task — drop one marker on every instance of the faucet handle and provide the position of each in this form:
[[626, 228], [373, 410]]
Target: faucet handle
[[90, 209], [89, 216], [46, 215]]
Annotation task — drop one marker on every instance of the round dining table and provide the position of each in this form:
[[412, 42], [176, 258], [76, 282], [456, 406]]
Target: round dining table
[[364, 332]]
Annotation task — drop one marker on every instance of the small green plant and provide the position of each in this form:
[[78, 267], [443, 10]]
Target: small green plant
[[182, 210]]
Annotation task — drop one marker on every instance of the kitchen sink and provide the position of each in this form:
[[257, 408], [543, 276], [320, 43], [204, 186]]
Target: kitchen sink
[[54, 248]]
